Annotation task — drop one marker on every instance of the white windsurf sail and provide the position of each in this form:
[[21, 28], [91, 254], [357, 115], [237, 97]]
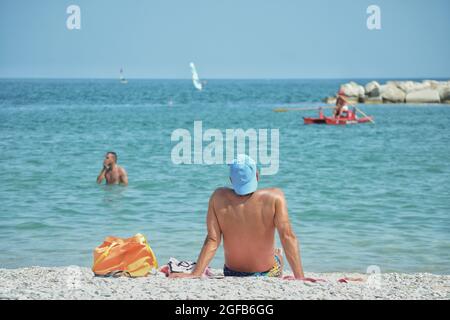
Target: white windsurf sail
[[195, 79]]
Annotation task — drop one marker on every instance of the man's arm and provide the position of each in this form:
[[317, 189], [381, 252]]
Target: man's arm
[[123, 177], [288, 239], [101, 176], [212, 242]]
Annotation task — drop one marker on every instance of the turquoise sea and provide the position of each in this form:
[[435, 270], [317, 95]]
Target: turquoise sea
[[358, 196]]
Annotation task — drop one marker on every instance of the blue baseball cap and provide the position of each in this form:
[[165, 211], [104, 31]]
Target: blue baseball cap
[[243, 175]]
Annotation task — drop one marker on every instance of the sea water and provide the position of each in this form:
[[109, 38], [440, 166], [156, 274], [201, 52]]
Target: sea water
[[357, 195]]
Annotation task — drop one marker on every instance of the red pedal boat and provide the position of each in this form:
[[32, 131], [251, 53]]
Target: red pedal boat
[[347, 117]]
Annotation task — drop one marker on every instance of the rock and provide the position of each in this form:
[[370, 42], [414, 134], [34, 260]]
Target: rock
[[426, 91], [393, 83], [354, 100], [410, 86], [433, 84], [352, 89], [444, 94], [391, 93], [423, 96], [372, 89], [373, 100], [330, 100]]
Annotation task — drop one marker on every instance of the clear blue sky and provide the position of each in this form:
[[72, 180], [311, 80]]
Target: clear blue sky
[[226, 39]]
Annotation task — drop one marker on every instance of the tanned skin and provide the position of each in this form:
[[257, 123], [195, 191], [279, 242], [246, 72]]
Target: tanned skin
[[112, 172], [247, 226]]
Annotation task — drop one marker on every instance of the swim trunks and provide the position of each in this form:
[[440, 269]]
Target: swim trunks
[[275, 272]]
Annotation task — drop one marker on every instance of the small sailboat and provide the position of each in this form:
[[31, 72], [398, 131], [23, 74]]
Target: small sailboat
[[195, 79], [122, 78]]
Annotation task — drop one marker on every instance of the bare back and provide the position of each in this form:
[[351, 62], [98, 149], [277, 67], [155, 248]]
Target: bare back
[[248, 228]]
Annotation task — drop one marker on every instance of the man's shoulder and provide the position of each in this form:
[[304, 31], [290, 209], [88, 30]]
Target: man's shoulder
[[275, 193], [221, 191]]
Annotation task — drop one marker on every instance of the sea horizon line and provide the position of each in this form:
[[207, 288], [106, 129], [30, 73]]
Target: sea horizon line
[[232, 79]]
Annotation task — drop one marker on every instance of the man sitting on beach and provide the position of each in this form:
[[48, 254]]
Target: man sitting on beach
[[112, 172], [247, 219]]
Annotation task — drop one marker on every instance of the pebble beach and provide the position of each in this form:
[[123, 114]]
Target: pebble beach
[[36, 283]]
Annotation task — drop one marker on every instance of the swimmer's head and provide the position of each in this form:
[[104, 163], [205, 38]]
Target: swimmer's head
[[110, 158]]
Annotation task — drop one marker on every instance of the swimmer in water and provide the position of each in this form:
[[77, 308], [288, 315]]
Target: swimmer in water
[[112, 172]]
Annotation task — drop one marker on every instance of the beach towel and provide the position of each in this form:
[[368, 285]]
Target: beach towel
[[131, 257]]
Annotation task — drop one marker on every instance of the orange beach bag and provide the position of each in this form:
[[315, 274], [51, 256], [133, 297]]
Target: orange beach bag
[[118, 256]]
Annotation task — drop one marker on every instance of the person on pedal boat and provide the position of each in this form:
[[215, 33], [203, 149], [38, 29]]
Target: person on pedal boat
[[341, 104]]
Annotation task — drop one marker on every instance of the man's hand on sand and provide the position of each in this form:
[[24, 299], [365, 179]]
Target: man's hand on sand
[[303, 279]]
